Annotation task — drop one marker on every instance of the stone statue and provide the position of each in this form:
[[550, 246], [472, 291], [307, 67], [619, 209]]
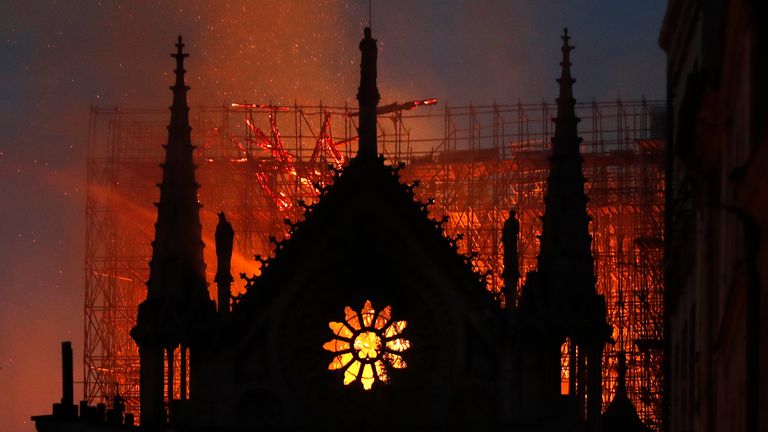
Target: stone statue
[[511, 274], [225, 236]]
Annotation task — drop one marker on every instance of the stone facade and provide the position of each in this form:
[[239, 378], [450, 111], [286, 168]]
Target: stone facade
[[717, 215]]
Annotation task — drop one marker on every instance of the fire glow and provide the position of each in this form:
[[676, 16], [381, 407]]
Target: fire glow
[[264, 165], [367, 341]]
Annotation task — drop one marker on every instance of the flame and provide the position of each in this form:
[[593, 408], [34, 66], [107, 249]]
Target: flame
[[266, 107]]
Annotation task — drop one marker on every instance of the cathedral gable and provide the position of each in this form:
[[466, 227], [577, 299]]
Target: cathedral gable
[[367, 246]]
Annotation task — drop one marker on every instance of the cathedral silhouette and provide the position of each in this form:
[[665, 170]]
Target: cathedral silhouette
[[366, 317]]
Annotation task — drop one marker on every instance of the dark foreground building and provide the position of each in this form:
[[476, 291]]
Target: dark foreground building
[[716, 259], [366, 317]]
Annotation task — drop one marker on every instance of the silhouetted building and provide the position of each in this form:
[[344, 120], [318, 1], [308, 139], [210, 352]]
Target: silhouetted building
[[367, 317], [67, 416], [717, 215]]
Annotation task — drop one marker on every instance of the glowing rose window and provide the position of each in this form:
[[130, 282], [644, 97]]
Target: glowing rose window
[[367, 345]]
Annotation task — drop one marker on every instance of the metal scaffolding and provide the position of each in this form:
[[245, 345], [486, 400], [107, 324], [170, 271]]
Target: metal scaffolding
[[257, 162]]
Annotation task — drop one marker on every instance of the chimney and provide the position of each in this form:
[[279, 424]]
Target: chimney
[[67, 380]]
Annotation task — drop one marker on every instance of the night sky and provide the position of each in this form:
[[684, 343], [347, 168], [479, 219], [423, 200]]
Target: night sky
[[59, 58]]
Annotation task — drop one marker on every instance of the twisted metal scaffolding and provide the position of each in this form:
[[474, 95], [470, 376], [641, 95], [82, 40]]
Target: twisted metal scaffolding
[[257, 162]]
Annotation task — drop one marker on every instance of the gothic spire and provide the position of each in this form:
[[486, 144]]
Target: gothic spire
[[565, 261], [566, 135], [177, 282], [178, 238], [180, 110], [367, 97]]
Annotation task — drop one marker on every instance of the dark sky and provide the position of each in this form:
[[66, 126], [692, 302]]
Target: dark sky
[[59, 58]]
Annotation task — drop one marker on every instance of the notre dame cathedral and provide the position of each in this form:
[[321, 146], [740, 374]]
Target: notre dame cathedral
[[366, 317]]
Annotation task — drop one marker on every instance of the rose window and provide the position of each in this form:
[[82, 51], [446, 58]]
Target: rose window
[[367, 345]]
